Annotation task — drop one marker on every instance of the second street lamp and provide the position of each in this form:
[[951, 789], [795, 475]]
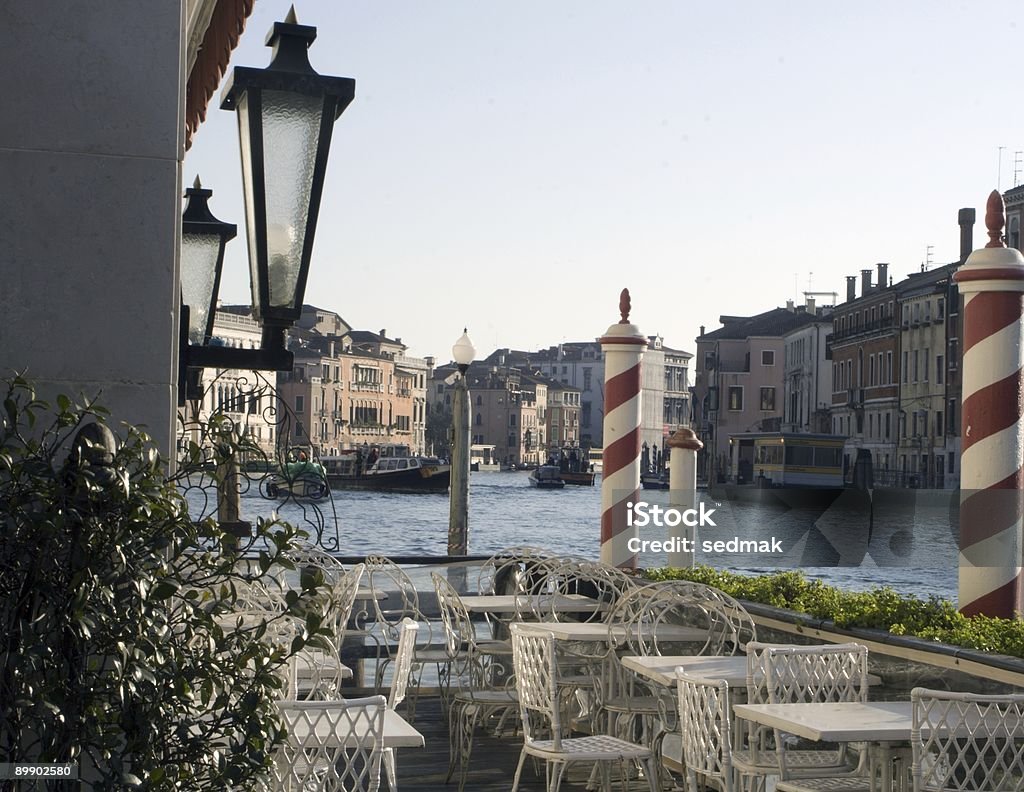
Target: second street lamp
[[458, 521]]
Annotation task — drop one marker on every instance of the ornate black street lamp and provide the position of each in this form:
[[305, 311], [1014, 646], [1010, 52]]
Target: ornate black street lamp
[[286, 114], [203, 238]]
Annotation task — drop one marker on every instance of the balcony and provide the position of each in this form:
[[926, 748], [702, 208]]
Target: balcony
[[866, 329]]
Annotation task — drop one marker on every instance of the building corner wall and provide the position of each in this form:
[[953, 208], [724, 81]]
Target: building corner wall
[[91, 143]]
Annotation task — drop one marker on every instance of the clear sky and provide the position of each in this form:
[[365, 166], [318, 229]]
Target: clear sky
[[511, 166]]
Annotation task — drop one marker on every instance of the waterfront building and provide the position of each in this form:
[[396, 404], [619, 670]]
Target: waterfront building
[[928, 440], [562, 415], [503, 411], [807, 388], [579, 365], [677, 389], [739, 384], [349, 387], [865, 373], [1014, 201], [652, 399]]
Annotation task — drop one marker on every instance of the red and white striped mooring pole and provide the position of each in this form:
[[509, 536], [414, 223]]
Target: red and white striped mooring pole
[[992, 461], [623, 346]]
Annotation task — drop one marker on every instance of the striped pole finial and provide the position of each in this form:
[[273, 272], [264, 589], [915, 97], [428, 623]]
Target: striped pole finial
[[623, 346], [992, 460]]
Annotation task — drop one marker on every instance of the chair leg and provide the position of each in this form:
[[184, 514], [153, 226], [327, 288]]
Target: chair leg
[[560, 768], [519, 770], [391, 769], [652, 774]]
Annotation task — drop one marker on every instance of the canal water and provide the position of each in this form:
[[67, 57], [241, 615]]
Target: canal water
[[906, 539]]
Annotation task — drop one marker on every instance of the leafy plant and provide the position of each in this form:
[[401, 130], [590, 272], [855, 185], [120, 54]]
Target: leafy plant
[[933, 618], [118, 651]]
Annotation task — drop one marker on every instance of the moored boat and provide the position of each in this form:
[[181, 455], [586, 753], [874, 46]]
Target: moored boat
[[391, 468], [298, 478], [547, 477], [655, 480]]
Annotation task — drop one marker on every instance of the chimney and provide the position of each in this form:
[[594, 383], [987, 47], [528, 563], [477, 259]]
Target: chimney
[[966, 220], [810, 306], [851, 288], [702, 329], [883, 275], [383, 333], [789, 306], [865, 282]]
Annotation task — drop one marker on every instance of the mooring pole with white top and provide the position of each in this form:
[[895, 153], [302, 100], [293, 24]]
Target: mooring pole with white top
[[682, 493]]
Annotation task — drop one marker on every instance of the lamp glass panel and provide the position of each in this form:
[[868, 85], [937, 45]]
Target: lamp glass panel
[[198, 265], [250, 201], [291, 132]]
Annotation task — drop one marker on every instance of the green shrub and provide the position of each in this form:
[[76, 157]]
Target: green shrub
[[883, 608], [112, 656]]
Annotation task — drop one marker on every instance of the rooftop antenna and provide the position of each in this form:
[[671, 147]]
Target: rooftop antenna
[[1018, 165], [999, 172], [928, 257]]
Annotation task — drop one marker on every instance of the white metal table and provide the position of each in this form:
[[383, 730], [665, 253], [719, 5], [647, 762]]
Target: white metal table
[[881, 723], [731, 668], [512, 604]]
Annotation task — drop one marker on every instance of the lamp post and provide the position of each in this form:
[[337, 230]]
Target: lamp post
[[458, 521], [286, 114]]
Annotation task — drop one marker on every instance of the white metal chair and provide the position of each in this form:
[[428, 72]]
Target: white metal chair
[[705, 729], [331, 745], [474, 669], [783, 674], [399, 685], [402, 603], [967, 742], [318, 673], [536, 674]]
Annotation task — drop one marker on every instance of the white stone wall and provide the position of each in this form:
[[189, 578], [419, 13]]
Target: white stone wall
[[91, 144]]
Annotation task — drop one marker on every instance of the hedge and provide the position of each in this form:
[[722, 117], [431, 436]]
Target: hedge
[[882, 608]]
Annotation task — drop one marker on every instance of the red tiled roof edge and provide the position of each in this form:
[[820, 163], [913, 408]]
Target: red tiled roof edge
[[226, 26]]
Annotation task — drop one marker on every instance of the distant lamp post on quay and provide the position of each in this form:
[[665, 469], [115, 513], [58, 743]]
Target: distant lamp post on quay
[[458, 522], [286, 114]]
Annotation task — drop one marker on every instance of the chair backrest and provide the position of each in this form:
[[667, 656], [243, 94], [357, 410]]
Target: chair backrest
[[402, 602], [576, 576], [966, 741], [331, 745], [785, 674], [705, 722], [465, 664], [403, 662], [342, 600], [536, 674], [684, 618], [503, 572]]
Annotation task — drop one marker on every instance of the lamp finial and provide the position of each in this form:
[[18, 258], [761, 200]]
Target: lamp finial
[[624, 306], [291, 19], [197, 185], [995, 220]]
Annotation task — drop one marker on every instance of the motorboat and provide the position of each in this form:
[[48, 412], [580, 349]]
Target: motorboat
[[547, 477], [390, 467]]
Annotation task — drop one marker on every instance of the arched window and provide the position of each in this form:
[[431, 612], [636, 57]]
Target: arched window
[[479, 401], [479, 419]]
